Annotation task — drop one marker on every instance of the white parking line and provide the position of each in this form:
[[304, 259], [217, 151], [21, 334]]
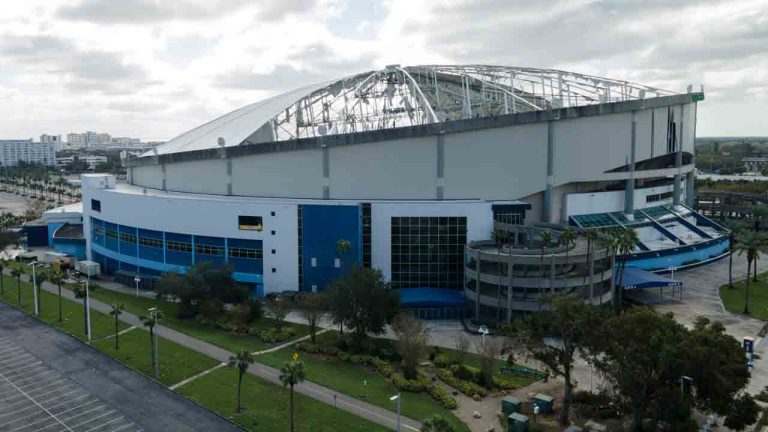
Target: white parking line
[[62, 395], [97, 408], [35, 386], [79, 406], [20, 410], [94, 418], [33, 368], [35, 402], [13, 361], [20, 369], [104, 424], [67, 401], [123, 427]]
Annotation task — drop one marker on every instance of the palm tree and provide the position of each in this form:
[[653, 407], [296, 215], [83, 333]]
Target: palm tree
[[117, 309], [150, 322], [626, 242], [291, 374], [79, 292], [592, 236], [342, 247], [567, 238], [242, 359], [499, 236], [546, 237], [57, 278], [750, 243], [17, 272], [610, 241], [735, 228]]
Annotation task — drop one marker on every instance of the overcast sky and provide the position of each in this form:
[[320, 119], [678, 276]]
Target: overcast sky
[[156, 68]]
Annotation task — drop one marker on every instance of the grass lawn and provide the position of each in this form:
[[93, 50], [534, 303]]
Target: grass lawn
[[176, 362], [72, 312], [219, 337], [733, 298], [349, 378], [266, 405]]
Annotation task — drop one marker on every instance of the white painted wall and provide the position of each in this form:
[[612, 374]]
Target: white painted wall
[[613, 201], [209, 216], [204, 176], [297, 174], [479, 224]]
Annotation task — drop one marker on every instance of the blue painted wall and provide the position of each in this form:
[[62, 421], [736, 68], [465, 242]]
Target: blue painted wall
[[322, 227], [683, 255], [75, 248], [52, 229]]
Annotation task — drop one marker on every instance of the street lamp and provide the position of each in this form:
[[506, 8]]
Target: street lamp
[[153, 317], [87, 310], [483, 331], [683, 379], [397, 398], [33, 264], [137, 280]]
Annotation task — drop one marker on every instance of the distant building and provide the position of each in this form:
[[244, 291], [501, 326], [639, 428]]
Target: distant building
[[51, 139], [88, 140], [12, 151], [92, 160]]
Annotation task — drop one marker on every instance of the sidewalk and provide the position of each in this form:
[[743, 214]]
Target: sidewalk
[[315, 391]]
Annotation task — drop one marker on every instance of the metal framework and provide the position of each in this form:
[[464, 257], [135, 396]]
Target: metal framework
[[415, 95]]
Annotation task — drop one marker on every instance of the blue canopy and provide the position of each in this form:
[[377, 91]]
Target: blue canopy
[[430, 298], [636, 278]]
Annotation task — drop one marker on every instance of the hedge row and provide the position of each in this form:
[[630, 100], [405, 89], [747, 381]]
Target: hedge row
[[468, 388]]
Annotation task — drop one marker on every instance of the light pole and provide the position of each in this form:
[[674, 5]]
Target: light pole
[[397, 398], [153, 317], [137, 280], [33, 264], [87, 310], [683, 379], [483, 331]]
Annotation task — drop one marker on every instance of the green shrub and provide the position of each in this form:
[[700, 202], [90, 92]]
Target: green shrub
[[402, 384], [440, 395], [466, 387], [442, 360]]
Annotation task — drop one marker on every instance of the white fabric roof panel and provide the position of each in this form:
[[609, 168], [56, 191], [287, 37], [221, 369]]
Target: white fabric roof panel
[[237, 125]]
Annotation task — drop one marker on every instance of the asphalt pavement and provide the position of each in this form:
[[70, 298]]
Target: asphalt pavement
[[50, 381]]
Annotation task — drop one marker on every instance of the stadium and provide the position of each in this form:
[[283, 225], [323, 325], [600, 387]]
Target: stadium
[[416, 167]]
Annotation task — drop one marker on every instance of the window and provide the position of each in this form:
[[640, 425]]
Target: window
[[658, 197], [273, 232], [150, 242], [110, 233], [272, 213], [176, 246], [274, 270], [250, 223], [247, 253], [205, 249], [128, 238], [96, 205], [428, 252], [274, 251]]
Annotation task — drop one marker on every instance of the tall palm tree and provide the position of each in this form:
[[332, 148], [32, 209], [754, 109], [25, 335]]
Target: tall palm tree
[[291, 374], [626, 242], [40, 279], [735, 227], [610, 241], [150, 322], [17, 272], [242, 359], [499, 236], [750, 243], [592, 236], [342, 247], [567, 238], [117, 309], [79, 292], [57, 278]]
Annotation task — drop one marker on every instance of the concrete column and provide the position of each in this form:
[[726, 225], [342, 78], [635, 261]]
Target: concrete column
[[690, 194], [510, 270], [440, 175], [629, 188], [547, 207], [477, 285], [326, 171], [678, 163]]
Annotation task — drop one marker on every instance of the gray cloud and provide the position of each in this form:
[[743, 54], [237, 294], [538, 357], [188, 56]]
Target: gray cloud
[[322, 64], [83, 70], [149, 11]]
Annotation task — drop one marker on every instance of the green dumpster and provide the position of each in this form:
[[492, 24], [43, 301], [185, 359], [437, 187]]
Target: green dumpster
[[517, 423], [510, 404], [544, 402]]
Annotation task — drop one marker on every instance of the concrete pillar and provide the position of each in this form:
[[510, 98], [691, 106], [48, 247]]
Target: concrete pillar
[[547, 207], [678, 163], [629, 188]]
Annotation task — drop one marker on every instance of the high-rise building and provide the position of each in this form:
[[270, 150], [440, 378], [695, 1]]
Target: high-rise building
[[51, 139], [88, 139], [15, 150]]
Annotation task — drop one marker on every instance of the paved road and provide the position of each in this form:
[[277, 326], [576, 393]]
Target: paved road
[[70, 386], [357, 407]]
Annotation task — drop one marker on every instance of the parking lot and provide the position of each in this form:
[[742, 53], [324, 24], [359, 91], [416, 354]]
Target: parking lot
[[34, 397], [50, 381]]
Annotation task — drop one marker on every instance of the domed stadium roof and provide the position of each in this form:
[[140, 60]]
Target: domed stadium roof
[[404, 96]]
